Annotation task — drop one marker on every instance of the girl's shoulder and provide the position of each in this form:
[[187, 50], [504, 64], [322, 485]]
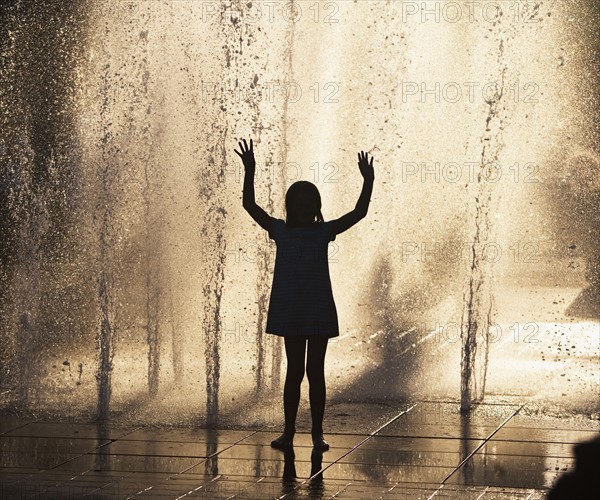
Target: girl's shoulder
[[277, 225]]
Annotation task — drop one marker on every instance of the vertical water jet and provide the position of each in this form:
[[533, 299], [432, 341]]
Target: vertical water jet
[[478, 300], [151, 137], [214, 255], [103, 218]]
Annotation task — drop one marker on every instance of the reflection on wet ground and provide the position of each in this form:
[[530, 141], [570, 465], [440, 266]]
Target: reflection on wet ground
[[426, 450]]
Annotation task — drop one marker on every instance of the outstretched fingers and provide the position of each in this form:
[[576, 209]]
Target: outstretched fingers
[[244, 147], [241, 149]]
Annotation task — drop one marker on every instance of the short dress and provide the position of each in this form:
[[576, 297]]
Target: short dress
[[301, 301]]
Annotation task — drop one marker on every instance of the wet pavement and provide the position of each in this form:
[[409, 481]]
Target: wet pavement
[[419, 451]]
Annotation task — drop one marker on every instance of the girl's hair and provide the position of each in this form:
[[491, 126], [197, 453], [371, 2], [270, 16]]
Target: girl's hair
[[302, 195]]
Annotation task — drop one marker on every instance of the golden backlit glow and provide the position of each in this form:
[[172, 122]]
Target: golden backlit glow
[[482, 229]]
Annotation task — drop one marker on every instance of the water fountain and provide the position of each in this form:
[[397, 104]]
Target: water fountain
[[134, 285]]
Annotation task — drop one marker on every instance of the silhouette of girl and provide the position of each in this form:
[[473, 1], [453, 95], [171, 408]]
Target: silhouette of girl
[[301, 307]]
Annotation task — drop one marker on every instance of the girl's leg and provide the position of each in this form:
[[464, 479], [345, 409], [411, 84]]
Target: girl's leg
[[295, 350], [315, 370]]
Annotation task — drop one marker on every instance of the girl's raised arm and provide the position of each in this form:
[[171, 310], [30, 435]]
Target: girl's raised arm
[[263, 219], [362, 205]]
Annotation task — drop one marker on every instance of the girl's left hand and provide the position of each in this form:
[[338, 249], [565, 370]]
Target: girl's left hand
[[366, 168]]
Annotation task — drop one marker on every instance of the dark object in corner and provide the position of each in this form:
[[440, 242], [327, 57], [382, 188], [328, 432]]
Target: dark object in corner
[[582, 483]]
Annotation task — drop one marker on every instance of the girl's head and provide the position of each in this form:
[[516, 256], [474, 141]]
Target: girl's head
[[302, 204]]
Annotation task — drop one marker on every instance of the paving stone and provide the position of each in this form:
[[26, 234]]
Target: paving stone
[[101, 431], [416, 456], [11, 422]]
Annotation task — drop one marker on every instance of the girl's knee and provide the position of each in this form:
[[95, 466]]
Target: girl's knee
[[315, 375], [295, 374]]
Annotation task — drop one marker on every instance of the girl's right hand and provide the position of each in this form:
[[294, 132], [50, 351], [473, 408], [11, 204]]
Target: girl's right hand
[[247, 155], [366, 168]]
